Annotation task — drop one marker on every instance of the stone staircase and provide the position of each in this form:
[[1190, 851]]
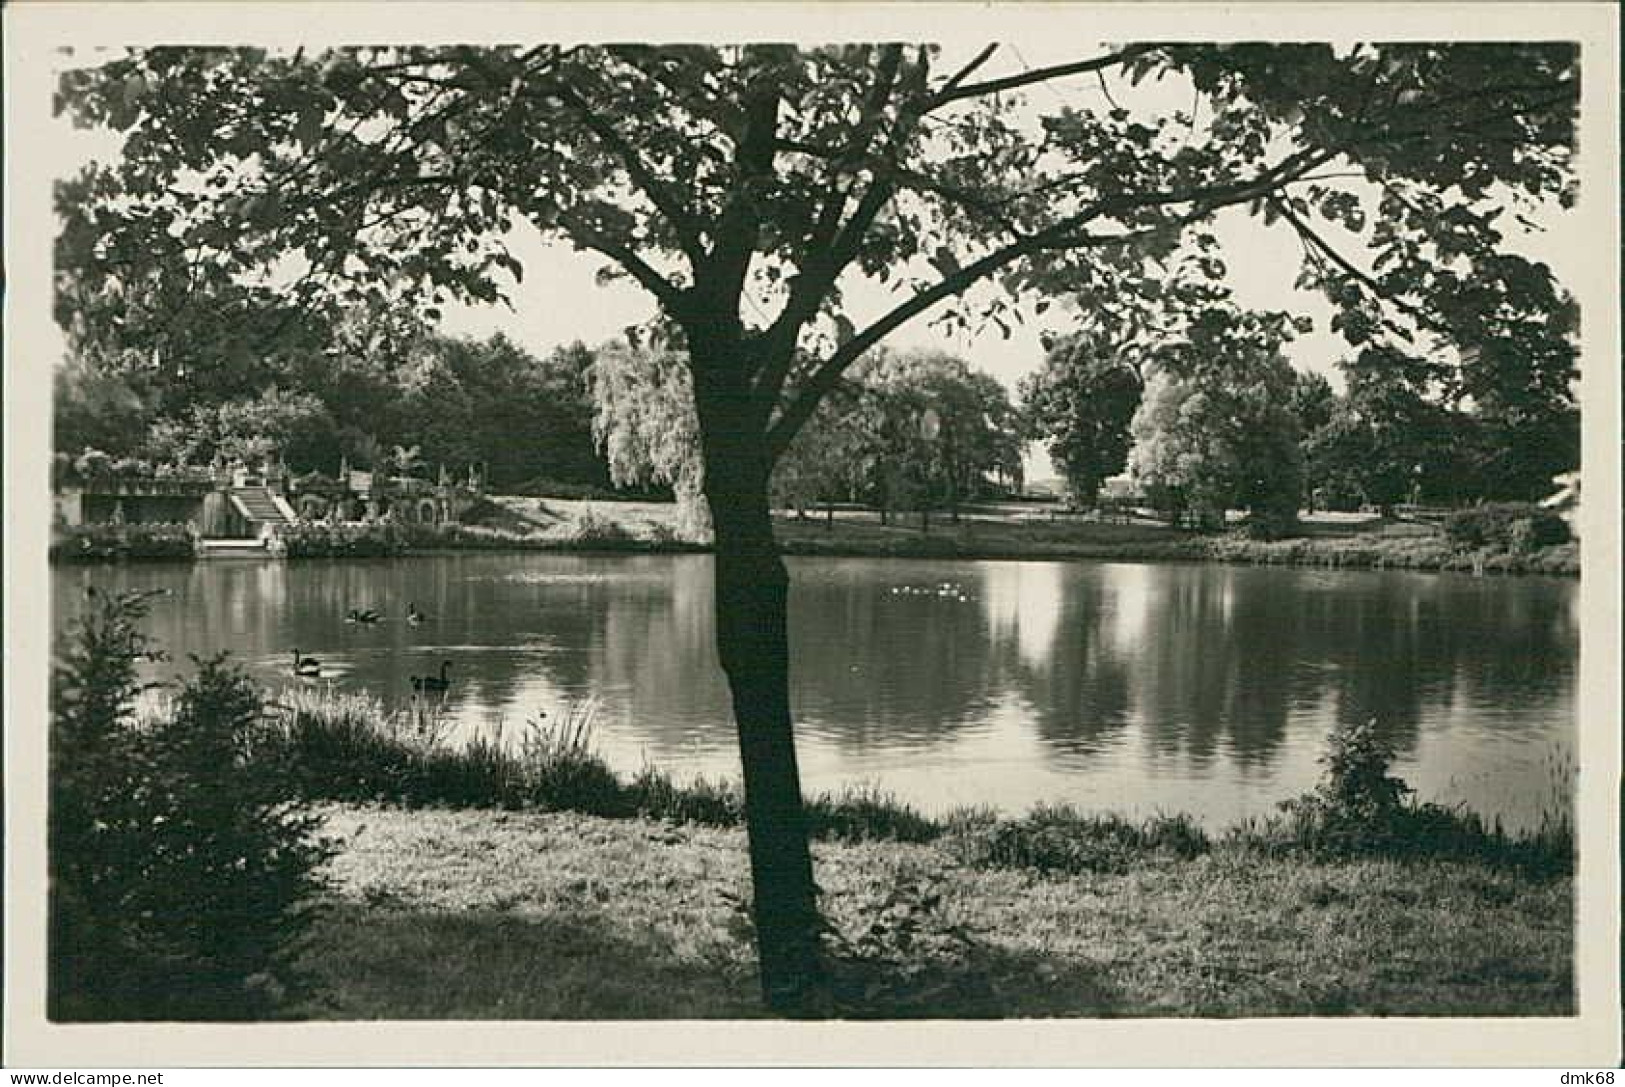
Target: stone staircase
[[260, 507]]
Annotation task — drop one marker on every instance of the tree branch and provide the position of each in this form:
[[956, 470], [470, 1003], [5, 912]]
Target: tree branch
[[739, 227], [682, 222], [828, 373], [993, 209], [667, 293], [1313, 239], [1037, 75], [968, 70], [1067, 234], [874, 111], [832, 246]]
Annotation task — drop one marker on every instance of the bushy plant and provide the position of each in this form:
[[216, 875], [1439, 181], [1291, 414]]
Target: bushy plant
[[115, 543], [663, 535], [1519, 527], [181, 873], [1358, 805], [348, 747], [1360, 808], [656, 796], [343, 541], [860, 813], [593, 528], [563, 772]]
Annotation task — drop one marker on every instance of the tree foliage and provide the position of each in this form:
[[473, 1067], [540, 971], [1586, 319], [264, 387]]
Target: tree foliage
[[396, 172], [1386, 444], [940, 432], [495, 405], [1216, 429], [868, 440], [295, 427], [644, 422], [96, 409], [1081, 401], [834, 458]]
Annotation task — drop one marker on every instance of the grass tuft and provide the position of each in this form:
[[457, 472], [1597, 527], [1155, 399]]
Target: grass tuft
[[1058, 838], [656, 796], [867, 812]]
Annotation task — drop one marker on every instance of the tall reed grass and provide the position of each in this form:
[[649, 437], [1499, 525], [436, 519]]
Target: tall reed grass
[[353, 748]]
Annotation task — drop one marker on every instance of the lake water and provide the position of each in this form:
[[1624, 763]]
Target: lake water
[[1129, 687]]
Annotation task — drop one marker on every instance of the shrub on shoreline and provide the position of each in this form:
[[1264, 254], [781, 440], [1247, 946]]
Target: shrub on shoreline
[[1360, 809], [1518, 527], [307, 540], [590, 528], [182, 873], [589, 531], [1430, 552], [1518, 541], [119, 543]]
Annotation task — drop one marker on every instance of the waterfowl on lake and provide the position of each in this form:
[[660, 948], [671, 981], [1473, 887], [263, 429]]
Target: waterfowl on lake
[[306, 666], [429, 684], [363, 615], [414, 616]]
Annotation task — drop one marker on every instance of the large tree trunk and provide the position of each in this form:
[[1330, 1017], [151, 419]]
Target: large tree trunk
[[753, 645]]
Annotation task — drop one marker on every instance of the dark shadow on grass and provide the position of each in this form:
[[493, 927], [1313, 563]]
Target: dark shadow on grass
[[383, 961], [982, 982]]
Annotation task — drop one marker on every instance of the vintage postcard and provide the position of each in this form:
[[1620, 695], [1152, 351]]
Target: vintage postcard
[[812, 534]]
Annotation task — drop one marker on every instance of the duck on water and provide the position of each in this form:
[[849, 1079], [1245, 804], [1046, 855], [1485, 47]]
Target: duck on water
[[433, 684]]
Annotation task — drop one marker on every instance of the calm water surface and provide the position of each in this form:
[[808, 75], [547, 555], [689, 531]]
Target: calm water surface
[[1114, 686]]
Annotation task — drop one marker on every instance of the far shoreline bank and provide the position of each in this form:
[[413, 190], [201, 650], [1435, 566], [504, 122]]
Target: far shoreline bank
[[970, 541]]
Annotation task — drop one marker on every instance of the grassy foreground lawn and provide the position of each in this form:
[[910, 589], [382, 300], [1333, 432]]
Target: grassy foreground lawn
[[517, 915]]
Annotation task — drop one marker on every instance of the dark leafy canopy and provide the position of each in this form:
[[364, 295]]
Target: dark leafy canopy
[[1082, 400], [520, 418], [359, 176], [934, 432], [522, 421], [1216, 429]]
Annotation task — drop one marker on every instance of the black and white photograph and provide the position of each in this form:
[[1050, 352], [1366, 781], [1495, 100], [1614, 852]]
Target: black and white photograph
[[802, 516]]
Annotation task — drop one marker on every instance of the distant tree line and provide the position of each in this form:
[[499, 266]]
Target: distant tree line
[[173, 362], [1212, 420], [520, 419], [1217, 419], [913, 431], [905, 432]]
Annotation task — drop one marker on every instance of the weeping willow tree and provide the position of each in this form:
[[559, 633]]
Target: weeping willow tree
[[643, 421]]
